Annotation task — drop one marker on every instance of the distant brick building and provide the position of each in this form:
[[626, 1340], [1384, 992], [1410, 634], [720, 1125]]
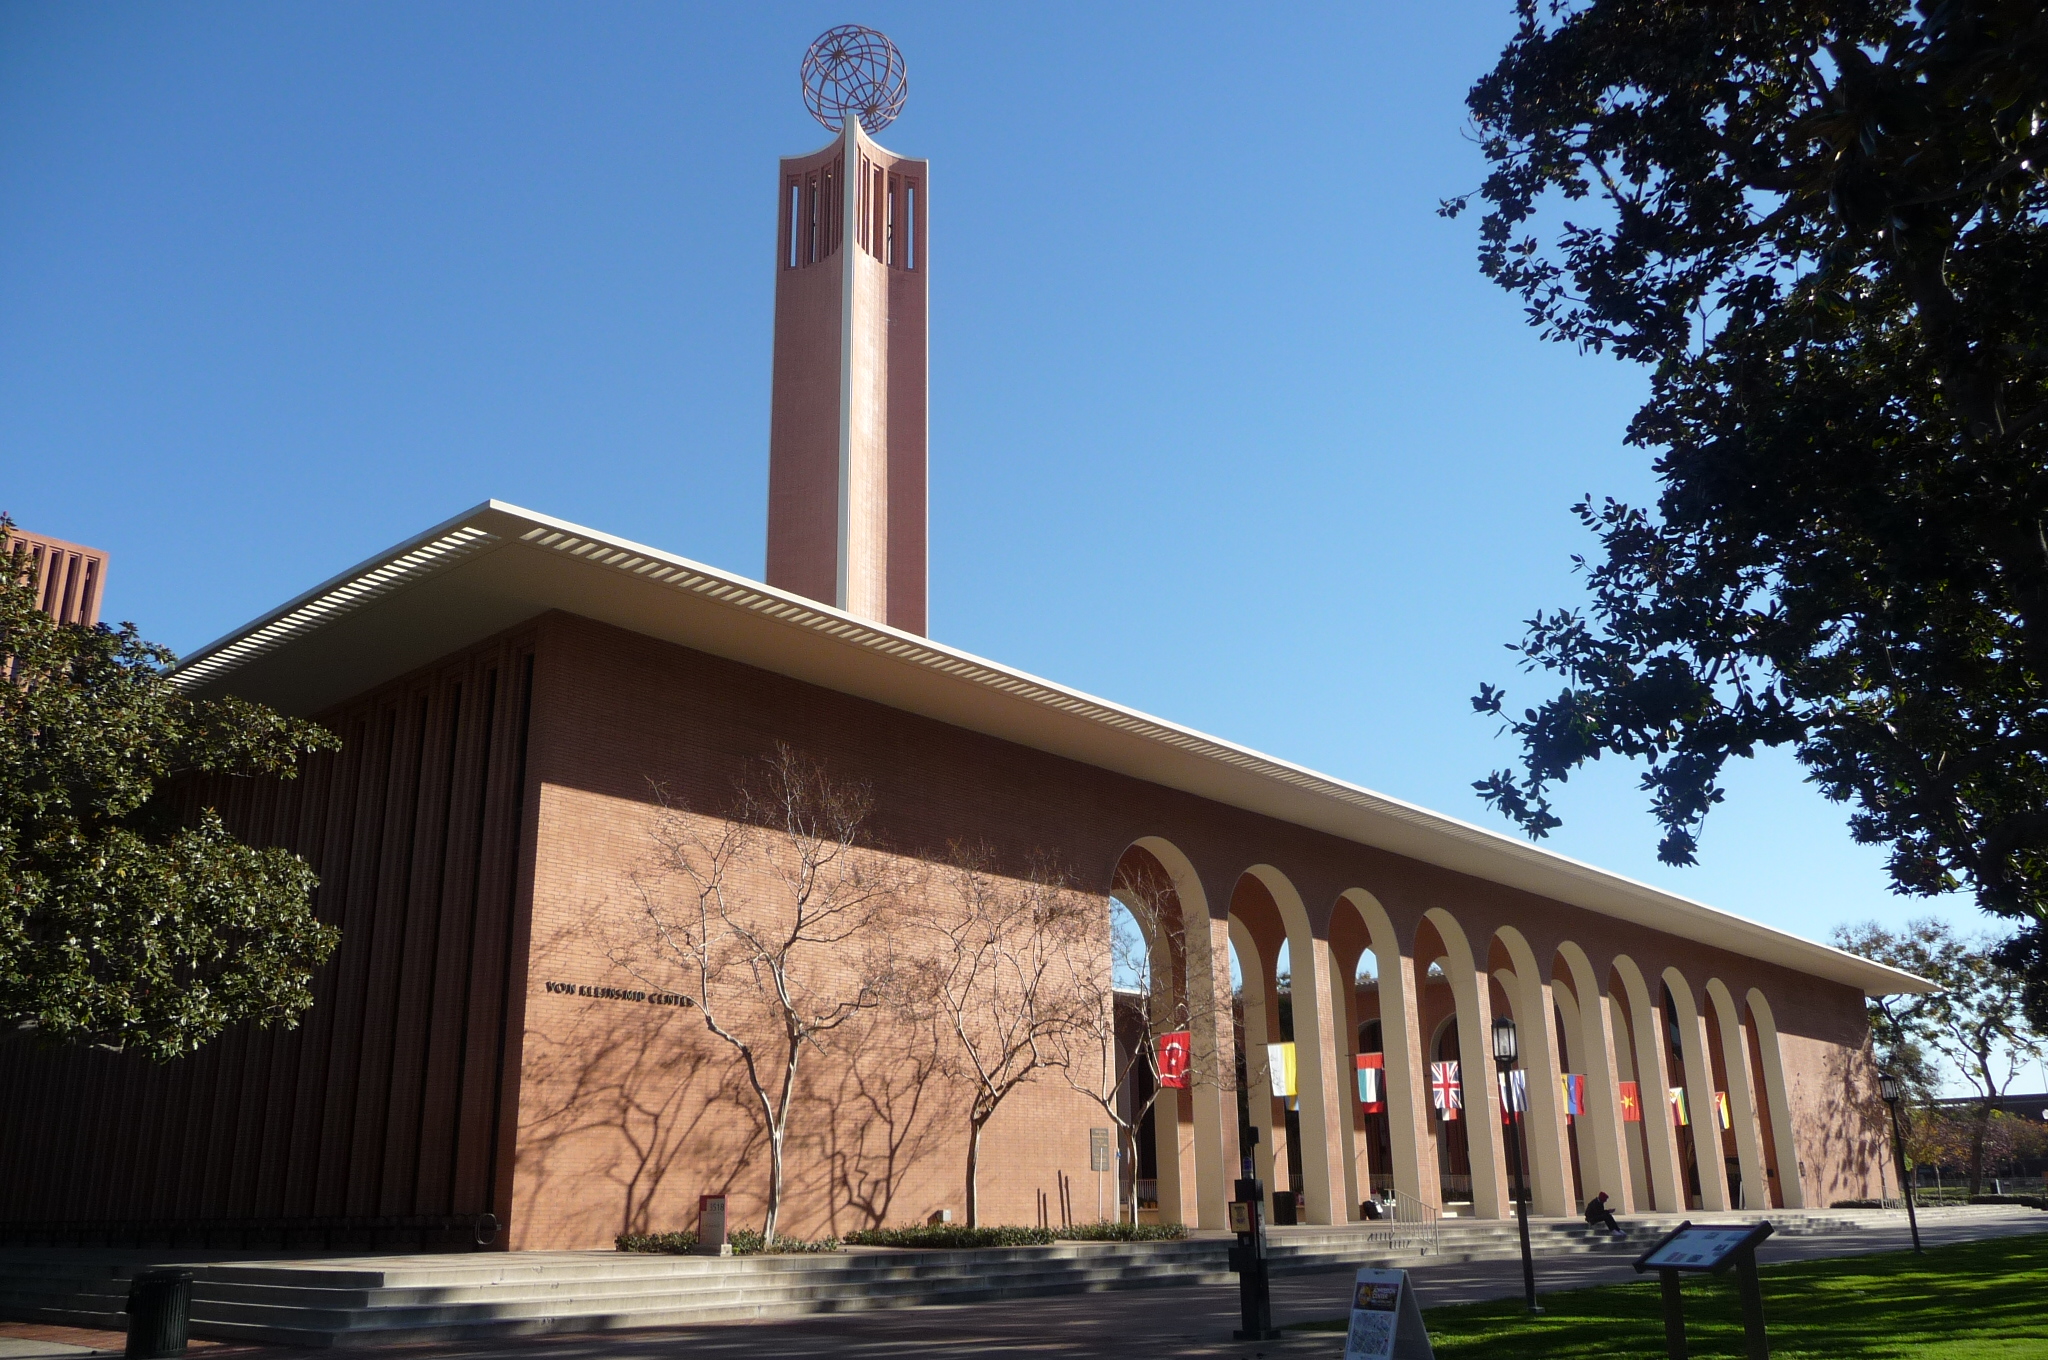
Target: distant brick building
[[511, 689]]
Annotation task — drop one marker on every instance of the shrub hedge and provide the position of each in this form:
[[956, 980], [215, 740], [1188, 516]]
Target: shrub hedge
[[949, 1237], [1123, 1232], [955, 1237], [926, 1236], [745, 1242]]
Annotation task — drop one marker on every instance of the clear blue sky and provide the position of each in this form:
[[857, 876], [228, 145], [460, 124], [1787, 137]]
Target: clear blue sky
[[1225, 424]]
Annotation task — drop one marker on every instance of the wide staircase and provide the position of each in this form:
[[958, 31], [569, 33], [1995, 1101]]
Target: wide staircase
[[363, 1301]]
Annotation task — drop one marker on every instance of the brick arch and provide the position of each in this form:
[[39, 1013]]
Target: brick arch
[[1699, 1089], [1407, 1065], [1603, 1155], [1315, 1046], [1777, 1102], [1528, 991], [1197, 1144], [1646, 1043], [1469, 993], [1740, 1075]]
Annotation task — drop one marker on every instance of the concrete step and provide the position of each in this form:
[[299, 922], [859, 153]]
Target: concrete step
[[351, 1301]]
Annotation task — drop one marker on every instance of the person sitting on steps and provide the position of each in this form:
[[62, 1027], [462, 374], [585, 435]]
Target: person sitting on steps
[[1600, 1216]]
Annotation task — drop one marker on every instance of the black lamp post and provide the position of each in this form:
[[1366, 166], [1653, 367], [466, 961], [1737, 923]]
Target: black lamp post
[[1892, 1090], [1505, 1050]]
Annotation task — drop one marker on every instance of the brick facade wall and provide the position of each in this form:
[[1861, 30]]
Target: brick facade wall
[[480, 838]]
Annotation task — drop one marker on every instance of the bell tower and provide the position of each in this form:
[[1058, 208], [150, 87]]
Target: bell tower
[[846, 439]]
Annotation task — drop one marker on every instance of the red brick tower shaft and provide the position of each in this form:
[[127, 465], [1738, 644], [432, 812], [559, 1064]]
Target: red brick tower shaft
[[846, 441]]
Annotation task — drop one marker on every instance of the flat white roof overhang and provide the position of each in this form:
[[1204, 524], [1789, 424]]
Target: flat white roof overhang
[[498, 565]]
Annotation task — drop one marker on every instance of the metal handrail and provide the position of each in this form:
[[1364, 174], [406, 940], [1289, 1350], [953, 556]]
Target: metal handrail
[[1409, 1227]]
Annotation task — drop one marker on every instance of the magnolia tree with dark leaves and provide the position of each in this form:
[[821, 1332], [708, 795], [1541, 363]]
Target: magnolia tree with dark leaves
[[123, 924], [1821, 227]]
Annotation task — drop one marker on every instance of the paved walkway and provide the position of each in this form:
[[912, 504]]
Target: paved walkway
[[1184, 1321]]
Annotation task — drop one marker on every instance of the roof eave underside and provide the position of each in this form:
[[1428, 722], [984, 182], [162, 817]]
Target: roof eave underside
[[497, 565]]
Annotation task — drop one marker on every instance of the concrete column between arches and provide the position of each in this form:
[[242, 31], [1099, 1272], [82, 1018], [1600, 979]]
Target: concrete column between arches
[[1258, 1073], [1549, 1168], [1409, 1138], [1791, 1176], [1646, 1024], [1212, 1087], [1640, 1197], [1172, 1147], [1742, 1105], [1470, 992], [1344, 1012], [1699, 1096], [1603, 1153], [1315, 1046]]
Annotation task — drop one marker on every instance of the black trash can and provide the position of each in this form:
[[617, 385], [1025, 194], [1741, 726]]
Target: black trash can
[[159, 1312]]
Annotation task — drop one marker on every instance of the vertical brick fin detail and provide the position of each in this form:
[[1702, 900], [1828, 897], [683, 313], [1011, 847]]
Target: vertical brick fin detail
[[69, 577], [383, 1104]]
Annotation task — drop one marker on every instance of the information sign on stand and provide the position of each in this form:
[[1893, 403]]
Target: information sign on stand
[[1101, 1158], [1708, 1249], [711, 1235], [1386, 1321]]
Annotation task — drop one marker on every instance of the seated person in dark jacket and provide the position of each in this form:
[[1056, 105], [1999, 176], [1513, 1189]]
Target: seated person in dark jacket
[[1600, 1216]]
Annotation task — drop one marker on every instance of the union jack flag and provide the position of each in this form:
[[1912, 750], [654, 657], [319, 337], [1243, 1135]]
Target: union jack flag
[[1444, 1092]]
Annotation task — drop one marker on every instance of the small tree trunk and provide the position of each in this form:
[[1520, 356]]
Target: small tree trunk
[[975, 1126], [768, 1225]]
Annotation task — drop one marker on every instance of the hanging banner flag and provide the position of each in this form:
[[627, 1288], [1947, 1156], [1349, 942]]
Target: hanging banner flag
[[1631, 1102], [1574, 1085], [1173, 1059], [1680, 1114], [1514, 1093], [1721, 1108], [1371, 1082], [1280, 1062], [1444, 1092]]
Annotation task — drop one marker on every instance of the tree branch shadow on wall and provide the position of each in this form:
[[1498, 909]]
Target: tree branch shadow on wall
[[623, 1095], [878, 1123], [1851, 1132]]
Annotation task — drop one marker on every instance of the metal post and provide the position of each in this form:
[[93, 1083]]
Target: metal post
[[1522, 1220], [1248, 1259], [1674, 1315], [1758, 1347], [1905, 1186]]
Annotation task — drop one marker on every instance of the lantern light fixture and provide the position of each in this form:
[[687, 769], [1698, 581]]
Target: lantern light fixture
[[1504, 1044]]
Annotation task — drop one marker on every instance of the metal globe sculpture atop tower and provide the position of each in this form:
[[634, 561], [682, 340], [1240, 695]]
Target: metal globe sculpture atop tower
[[853, 69]]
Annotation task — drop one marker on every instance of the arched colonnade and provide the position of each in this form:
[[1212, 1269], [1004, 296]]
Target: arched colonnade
[[1425, 988]]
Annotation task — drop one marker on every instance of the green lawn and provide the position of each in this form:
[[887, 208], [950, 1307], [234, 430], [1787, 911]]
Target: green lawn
[[1973, 1301]]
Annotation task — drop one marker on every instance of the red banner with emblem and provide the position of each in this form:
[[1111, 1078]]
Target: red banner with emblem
[[1173, 1059]]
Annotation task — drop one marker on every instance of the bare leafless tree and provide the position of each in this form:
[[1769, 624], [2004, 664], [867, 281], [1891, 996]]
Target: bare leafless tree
[[997, 979], [772, 918], [1147, 969]]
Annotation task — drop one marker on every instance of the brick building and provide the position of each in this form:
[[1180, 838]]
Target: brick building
[[509, 687], [511, 690]]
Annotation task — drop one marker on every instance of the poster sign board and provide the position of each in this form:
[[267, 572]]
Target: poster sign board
[[1703, 1247], [1386, 1321], [1101, 1156], [711, 1234]]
